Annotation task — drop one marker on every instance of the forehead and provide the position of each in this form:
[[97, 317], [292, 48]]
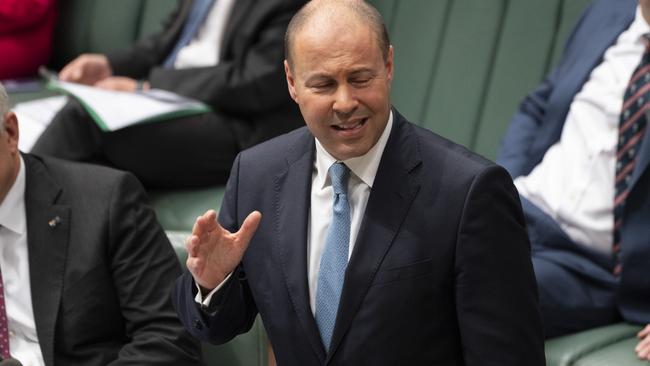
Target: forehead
[[323, 45]]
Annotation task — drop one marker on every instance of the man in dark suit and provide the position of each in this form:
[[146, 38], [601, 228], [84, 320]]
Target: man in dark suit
[[421, 258], [579, 152], [232, 63], [86, 271]]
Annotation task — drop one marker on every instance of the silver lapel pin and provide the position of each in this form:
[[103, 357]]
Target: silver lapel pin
[[54, 222]]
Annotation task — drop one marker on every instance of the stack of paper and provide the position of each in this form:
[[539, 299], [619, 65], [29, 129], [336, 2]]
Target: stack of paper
[[113, 110]]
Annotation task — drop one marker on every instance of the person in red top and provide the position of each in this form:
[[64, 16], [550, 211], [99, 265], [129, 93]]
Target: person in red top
[[26, 28]]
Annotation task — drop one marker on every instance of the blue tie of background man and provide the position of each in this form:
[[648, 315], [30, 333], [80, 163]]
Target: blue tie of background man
[[335, 258], [194, 20]]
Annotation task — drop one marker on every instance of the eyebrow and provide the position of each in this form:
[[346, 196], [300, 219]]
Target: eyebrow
[[321, 75]]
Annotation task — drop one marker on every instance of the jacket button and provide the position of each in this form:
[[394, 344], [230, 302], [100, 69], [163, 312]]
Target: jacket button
[[197, 324]]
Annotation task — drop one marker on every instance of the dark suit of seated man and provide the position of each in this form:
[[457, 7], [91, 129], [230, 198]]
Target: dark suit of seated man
[[86, 269], [363, 239], [579, 153], [232, 63]]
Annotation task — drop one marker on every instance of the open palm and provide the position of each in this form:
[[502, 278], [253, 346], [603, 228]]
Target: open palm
[[214, 252]]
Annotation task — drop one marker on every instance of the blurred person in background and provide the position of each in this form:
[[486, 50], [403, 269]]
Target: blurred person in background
[[225, 53], [579, 152], [26, 28]]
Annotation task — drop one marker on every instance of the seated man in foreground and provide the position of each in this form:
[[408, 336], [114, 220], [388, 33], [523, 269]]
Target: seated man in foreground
[[363, 239], [579, 152], [86, 270]]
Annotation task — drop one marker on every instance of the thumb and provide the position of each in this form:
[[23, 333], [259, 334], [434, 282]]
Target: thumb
[[76, 74], [248, 228]]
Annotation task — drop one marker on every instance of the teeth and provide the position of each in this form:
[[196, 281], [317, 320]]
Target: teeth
[[350, 127]]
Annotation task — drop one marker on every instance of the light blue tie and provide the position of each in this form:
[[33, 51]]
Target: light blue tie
[[335, 257], [194, 20]]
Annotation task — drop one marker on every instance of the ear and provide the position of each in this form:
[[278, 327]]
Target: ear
[[11, 131], [291, 82], [389, 64]]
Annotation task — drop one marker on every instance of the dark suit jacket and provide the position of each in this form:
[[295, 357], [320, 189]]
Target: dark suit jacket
[[247, 87], [440, 273], [538, 125], [101, 276]]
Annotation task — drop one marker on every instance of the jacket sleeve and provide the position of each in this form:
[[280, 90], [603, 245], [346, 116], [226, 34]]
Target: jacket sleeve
[[496, 292], [530, 117], [143, 267], [137, 60]]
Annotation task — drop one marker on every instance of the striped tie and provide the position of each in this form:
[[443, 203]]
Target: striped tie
[[632, 126], [4, 331]]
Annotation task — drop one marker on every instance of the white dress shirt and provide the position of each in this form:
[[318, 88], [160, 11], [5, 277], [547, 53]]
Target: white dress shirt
[[574, 183], [205, 47], [23, 341], [363, 170]]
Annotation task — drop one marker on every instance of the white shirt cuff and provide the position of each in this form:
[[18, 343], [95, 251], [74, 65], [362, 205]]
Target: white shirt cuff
[[205, 302]]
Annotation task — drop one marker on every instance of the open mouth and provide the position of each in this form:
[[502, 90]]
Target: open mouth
[[350, 126]]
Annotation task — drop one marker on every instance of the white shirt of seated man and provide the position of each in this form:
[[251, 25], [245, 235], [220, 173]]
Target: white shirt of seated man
[[23, 340], [574, 183], [205, 47]]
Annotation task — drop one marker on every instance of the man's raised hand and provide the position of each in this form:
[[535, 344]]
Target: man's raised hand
[[214, 252]]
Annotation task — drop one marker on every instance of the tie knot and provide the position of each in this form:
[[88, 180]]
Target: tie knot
[[339, 174]]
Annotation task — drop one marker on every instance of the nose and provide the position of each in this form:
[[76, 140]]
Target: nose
[[345, 102]]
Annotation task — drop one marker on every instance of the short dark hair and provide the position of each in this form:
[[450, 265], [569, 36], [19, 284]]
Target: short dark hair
[[365, 12]]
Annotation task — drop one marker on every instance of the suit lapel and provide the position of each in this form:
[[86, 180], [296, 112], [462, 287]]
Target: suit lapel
[[387, 207], [48, 227], [239, 11], [292, 213]]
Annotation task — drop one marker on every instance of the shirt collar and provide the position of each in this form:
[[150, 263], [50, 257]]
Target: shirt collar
[[364, 166], [12, 209]]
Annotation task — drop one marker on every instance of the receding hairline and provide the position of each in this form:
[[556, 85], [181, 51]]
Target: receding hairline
[[363, 12]]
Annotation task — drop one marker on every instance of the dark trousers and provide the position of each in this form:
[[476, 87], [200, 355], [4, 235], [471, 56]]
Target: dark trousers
[[186, 152], [577, 290]]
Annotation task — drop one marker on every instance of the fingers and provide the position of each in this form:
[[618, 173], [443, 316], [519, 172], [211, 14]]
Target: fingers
[[205, 223], [643, 349], [86, 69], [248, 228], [644, 332], [117, 83], [194, 266], [71, 71], [205, 227]]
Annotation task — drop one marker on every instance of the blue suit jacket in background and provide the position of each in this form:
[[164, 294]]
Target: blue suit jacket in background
[[538, 124]]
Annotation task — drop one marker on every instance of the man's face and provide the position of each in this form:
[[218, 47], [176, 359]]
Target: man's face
[[9, 155], [341, 82]]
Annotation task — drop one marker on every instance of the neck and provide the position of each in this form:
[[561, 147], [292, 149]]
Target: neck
[[645, 11]]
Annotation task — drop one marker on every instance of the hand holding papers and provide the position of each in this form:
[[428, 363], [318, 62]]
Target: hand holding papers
[[113, 110]]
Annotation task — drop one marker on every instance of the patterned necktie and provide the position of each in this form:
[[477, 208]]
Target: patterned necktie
[[4, 330], [335, 257], [194, 20], [631, 128]]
